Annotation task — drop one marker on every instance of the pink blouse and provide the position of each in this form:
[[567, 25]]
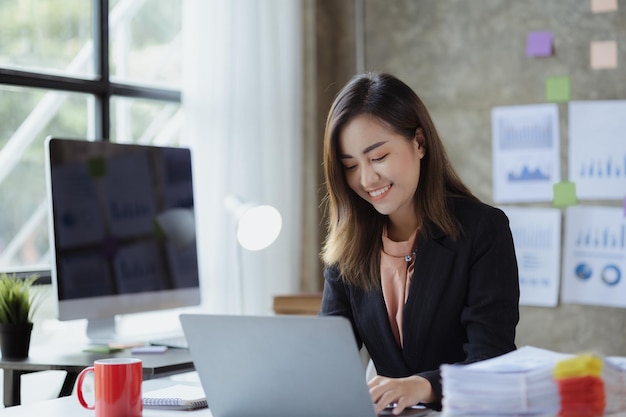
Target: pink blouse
[[396, 274]]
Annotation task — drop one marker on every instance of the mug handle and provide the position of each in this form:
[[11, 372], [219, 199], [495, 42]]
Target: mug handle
[[79, 388]]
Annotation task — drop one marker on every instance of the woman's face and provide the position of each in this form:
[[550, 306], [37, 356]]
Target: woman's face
[[381, 166]]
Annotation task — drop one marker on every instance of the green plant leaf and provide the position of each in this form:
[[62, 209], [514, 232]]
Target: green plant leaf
[[16, 303]]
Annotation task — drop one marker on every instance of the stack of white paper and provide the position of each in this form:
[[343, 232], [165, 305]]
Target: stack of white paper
[[517, 383], [523, 383], [614, 377]]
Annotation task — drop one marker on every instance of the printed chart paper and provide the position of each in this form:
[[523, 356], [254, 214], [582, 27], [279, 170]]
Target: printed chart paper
[[537, 237], [594, 258], [525, 152], [597, 148]]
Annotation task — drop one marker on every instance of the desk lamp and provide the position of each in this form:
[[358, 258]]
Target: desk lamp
[[258, 226]]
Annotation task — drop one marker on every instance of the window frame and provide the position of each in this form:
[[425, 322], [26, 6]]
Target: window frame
[[101, 88]]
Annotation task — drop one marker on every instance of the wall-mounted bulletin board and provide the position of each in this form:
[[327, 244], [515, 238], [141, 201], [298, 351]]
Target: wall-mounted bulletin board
[[530, 99]]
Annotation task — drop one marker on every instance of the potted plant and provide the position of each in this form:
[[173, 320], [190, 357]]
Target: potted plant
[[17, 306]]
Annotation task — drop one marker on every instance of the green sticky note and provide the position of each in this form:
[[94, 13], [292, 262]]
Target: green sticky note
[[564, 194], [97, 167], [558, 89], [158, 231]]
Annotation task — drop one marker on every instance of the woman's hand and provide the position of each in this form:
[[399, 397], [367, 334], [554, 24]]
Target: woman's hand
[[404, 392]]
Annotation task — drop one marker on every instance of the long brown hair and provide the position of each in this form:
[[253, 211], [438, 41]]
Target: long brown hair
[[354, 239]]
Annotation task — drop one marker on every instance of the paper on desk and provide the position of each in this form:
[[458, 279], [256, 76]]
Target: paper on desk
[[523, 383], [519, 382], [526, 358], [618, 361]]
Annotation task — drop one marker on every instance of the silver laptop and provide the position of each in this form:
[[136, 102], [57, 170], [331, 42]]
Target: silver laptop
[[279, 366]]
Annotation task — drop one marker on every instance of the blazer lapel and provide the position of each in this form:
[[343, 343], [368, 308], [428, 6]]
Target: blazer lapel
[[433, 264], [377, 322]]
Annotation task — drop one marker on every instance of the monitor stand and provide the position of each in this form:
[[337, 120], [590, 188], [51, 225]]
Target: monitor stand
[[103, 331]]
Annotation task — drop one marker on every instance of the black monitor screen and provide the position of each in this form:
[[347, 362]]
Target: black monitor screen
[[122, 226]]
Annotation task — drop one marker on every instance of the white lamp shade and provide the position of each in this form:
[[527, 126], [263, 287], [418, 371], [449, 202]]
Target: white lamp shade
[[258, 227]]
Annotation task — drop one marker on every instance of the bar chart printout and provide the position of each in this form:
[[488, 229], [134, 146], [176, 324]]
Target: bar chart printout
[[525, 152], [597, 148], [594, 259], [537, 238]]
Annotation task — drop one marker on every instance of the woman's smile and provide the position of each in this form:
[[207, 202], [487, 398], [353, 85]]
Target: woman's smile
[[380, 193]]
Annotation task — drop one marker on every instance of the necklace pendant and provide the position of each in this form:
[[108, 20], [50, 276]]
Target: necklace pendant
[[410, 257]]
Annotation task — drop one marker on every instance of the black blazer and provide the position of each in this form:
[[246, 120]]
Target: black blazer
[[463, 302]]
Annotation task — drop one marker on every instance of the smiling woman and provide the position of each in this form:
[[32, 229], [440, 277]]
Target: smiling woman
[[378, 162], [425, 272]]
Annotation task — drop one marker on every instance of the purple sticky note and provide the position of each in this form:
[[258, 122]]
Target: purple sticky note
[[539, 44]]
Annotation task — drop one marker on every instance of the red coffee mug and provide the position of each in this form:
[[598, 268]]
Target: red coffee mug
[[117, 383]]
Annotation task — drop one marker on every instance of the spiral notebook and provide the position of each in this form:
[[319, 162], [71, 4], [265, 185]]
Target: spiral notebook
[[176, 397]]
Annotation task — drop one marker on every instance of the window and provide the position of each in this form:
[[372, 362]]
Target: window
[[95, 70]]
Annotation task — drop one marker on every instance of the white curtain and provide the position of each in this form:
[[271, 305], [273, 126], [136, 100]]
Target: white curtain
[[242, 98]]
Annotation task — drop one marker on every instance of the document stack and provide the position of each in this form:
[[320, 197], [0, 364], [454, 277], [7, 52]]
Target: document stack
[[537, 382], [614, 377]]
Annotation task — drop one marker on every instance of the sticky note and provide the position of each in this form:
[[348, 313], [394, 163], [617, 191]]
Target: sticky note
[[539, 44], [97, 167], [580, 365], [557, 89], [564, 194], [603, 54], [603, 6]]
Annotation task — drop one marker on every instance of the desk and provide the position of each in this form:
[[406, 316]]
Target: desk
[[69, 406], [155, 365]]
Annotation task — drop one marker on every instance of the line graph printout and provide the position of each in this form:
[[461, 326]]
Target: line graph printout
[[525, 152], [597, 148], [537, 238], [594, 258]]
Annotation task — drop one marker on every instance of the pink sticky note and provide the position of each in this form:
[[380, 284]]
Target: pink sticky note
[[603, 54], [603, 6], [539, 44]]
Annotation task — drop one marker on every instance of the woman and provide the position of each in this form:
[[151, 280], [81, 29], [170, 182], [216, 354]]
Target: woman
[[425, 272]]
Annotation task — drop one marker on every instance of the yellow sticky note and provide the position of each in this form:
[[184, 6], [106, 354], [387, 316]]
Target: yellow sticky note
[[557, 89], [564, 194], [603, 6], [579, 366], [603, 54]]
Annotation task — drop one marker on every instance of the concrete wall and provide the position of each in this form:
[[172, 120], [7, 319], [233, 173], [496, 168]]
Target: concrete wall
[[463, 58]]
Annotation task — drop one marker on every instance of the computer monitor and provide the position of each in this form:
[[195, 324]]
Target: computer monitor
[[122, 231]]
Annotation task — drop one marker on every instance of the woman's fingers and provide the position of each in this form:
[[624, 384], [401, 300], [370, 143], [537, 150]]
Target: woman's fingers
[[401, 392]]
